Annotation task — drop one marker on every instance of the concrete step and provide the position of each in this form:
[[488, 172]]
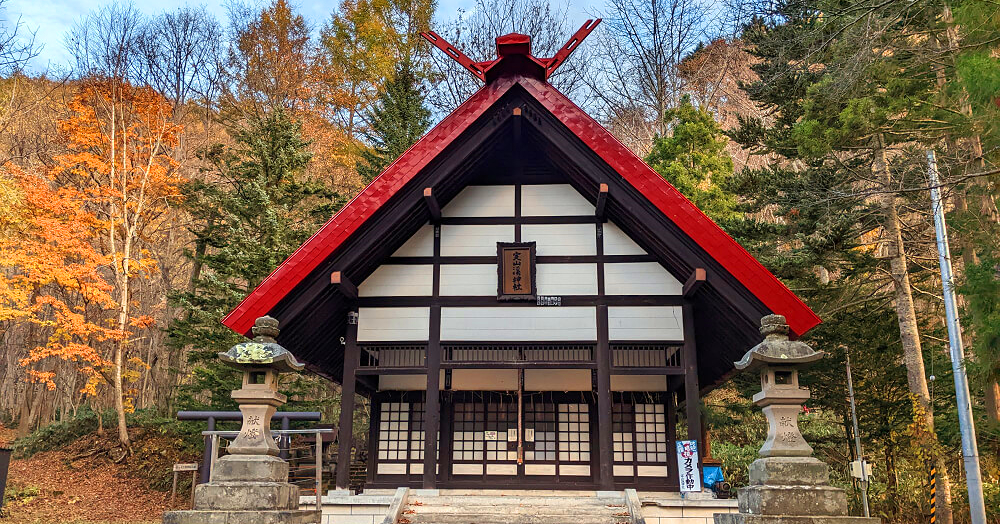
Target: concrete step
[[521, 509], [476, 518], [488, 500]]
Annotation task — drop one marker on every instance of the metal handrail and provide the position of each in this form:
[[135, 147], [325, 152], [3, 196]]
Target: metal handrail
[[215, 435], [277, 431]]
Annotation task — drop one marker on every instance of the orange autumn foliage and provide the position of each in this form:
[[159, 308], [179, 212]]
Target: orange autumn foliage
[[119, 139], [83, 236], [53, 277]]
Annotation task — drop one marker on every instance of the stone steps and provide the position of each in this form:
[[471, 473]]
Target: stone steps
[[478, 518], [518, 509]]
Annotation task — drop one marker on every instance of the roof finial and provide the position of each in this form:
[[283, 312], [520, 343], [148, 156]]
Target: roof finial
[[511, 45]]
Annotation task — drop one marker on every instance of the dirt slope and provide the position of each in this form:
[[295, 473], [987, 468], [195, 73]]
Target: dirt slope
[[82, 483]]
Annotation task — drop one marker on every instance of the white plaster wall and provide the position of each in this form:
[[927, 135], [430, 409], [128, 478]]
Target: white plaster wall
[[638, 383], [639, 278], [393, 323], [561, 239], [616, 242], [645, 323], [481, 201], [467, 280], [557, 380], [474, 240], [565, 279], [406, 382], [519, 323], [399, 280], [421, 244], [554, 200], [484, 379]]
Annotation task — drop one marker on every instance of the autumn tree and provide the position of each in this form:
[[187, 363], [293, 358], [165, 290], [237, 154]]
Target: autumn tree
[[53, 283], [118, 138], [268, 60], [360, 48]]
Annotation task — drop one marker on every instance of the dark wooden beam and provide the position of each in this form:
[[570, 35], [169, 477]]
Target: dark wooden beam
[[605, 473], [432, 400], [347, 386], [432, 205], [668, 370], [691, 390], [578, 300], [602, 201], [344, 285], [695, 281], [673, 481], [517, 126], [375, 371], [512, 365]]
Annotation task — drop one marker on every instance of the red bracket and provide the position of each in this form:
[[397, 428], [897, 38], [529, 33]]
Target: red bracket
[[455, 54], [574, 42]]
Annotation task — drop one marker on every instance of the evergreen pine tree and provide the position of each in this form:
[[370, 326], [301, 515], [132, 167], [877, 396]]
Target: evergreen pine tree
[[694, 159], [249, 215], [848, 108], [396, 122]]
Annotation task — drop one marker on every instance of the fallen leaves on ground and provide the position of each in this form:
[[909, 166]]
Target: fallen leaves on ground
[[76, 485]]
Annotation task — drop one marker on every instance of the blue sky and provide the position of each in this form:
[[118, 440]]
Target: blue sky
[[50, 20]]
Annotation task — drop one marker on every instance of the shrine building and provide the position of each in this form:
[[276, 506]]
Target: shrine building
[[522, 287]]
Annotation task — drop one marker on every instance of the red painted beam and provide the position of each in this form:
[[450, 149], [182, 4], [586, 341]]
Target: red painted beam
[[455, 54], [574, 42]]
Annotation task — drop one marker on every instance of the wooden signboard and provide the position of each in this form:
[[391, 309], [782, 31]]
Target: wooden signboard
[[516, 271]]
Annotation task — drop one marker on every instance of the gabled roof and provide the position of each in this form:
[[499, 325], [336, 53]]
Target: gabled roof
[[678, 209]]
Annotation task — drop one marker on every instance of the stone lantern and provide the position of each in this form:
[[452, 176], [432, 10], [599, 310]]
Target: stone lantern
[[250, 484], [260, 360], [780, 396], [787, 484]]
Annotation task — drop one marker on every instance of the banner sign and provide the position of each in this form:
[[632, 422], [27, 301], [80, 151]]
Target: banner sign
[[687, 465]]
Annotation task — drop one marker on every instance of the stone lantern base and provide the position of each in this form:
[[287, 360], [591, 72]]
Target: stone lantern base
[[246, 489], [791, 490]]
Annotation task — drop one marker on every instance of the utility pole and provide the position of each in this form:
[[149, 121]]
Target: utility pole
[[970, 450], [862, 464]]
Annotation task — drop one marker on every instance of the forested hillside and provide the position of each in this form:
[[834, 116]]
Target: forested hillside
[[148, 186]]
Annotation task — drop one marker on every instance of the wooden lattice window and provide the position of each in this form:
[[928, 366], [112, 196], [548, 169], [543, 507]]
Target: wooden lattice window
[[650, 434], [541, 418], [394, 431], [622, 431], [467, 436], [501, 423], [574, 433]]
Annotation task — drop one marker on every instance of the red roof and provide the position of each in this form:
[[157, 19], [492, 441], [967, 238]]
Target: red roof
[[719, 245]]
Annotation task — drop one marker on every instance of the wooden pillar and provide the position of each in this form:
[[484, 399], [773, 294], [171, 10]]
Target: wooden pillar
[[347, 387], [673, 478], [691, 387], [605, 474], [432, 401]]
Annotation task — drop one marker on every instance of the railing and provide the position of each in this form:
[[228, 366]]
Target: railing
[[393, 355], [518, 353], [219, 441], [645, 355], [211, 417]]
